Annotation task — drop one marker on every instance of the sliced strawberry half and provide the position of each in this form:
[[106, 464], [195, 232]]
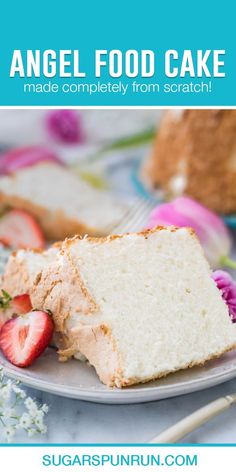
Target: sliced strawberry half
[[24, 338], [21, 304], [17, 305], [18, 229]]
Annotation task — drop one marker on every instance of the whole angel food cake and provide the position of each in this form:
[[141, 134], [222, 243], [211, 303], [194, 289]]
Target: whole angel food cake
[[62, 202], [195, 154], [137, 306]]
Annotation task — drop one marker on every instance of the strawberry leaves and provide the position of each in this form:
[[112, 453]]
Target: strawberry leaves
[[5, 300]]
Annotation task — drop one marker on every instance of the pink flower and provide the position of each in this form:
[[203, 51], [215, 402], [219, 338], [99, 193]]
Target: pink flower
[[210, 228], [227, 286], [28, 156], [65, 126]]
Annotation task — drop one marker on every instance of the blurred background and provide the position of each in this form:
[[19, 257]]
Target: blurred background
[[105, 143], [100, 171]]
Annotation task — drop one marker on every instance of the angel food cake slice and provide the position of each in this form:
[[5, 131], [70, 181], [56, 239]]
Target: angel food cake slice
[[61, 201], [137, 306]]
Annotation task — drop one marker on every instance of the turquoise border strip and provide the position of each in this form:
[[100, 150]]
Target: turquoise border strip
[[129, 27]]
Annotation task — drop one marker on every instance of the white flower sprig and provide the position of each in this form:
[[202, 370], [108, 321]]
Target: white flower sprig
[[19, 412]]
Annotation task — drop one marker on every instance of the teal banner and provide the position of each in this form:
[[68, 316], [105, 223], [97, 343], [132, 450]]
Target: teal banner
[[127, 53]]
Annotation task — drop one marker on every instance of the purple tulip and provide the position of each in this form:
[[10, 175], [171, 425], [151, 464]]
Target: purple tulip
[[65, 126], [227, 286], [210, 228]]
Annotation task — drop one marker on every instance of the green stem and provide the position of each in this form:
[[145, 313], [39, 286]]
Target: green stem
[[132, 141], [227, 262]]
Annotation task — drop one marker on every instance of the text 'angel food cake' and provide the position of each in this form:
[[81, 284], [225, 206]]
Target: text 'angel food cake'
[[195, 154], [62, 202], [137, 306]]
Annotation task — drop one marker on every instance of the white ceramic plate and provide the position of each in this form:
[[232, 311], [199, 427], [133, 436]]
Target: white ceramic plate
[[76, 379]]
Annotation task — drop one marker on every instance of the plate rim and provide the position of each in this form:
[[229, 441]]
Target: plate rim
[[120, 396]]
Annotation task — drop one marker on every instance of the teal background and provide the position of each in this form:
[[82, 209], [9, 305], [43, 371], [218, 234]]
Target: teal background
[[117, 25]]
